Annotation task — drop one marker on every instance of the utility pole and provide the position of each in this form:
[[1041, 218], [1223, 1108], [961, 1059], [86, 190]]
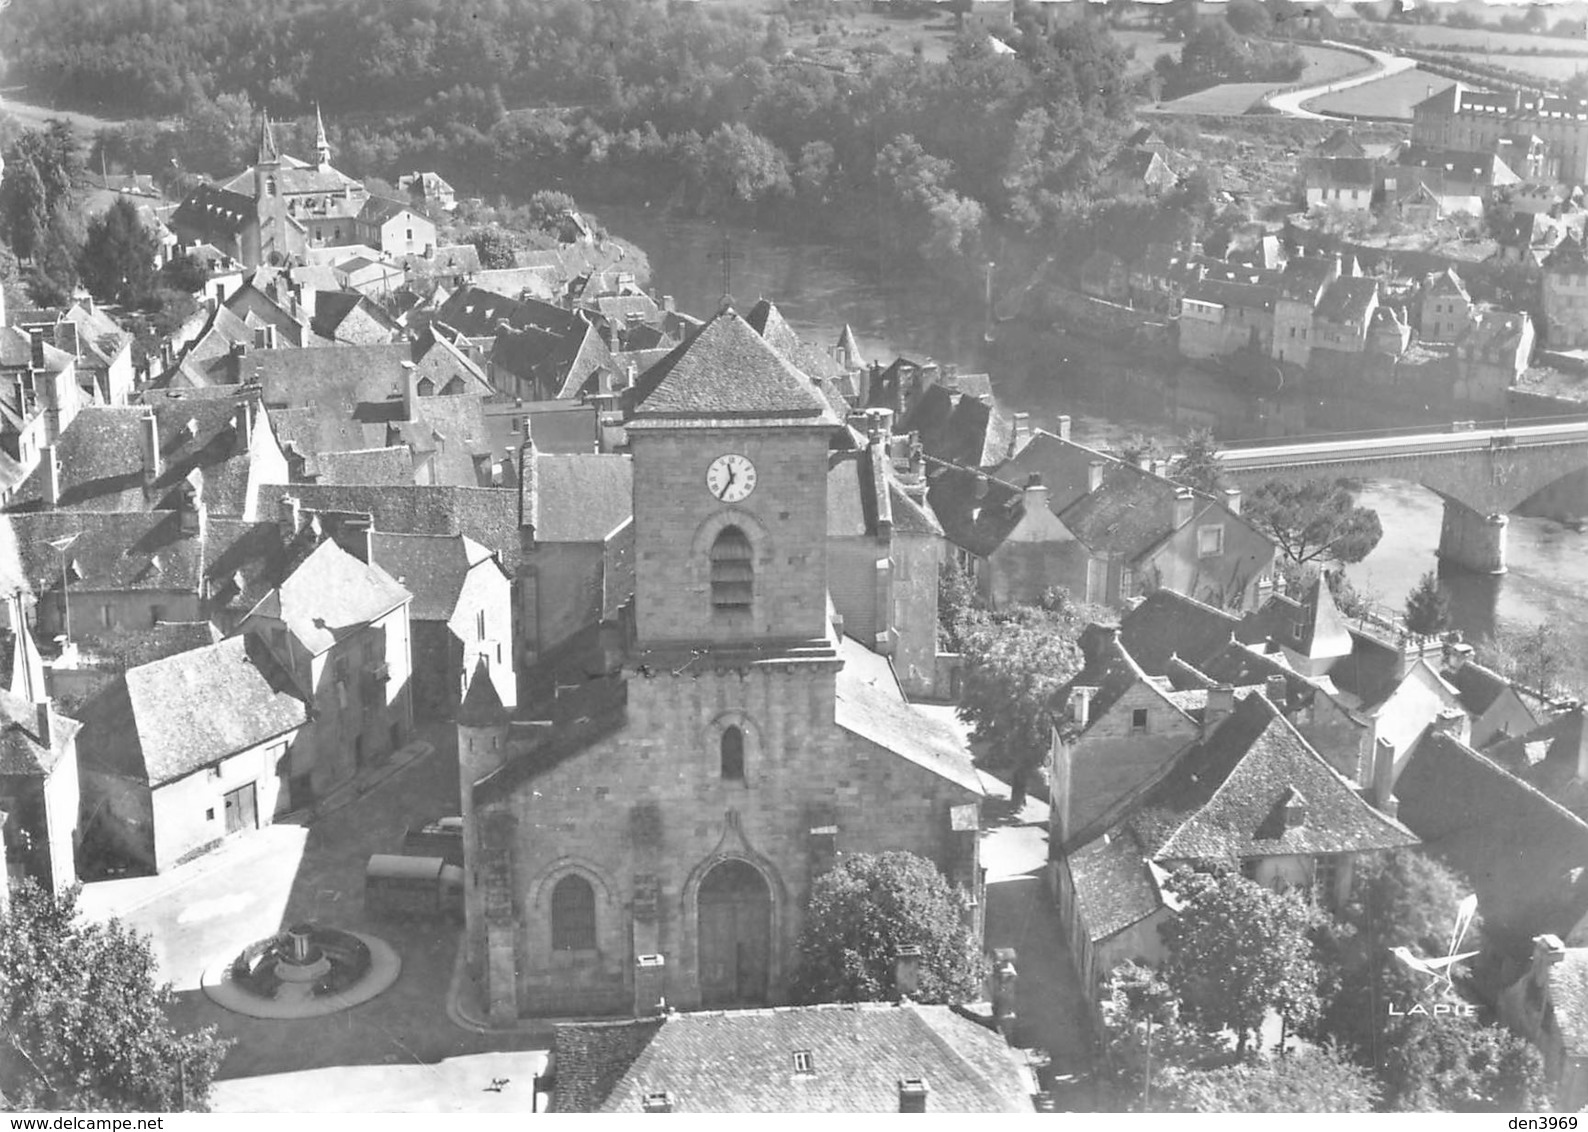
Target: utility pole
[[61, 546]]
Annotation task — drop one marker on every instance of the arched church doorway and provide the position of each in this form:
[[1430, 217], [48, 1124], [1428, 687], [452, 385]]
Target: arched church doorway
[[735, 918]]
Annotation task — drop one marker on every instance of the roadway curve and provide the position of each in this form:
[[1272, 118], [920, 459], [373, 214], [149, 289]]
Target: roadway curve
[[1383, 64]]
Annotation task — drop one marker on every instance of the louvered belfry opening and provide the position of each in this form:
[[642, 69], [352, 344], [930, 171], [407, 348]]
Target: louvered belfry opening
[[732, 571]]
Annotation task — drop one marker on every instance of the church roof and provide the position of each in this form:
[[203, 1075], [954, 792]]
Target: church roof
[[481, 706], [727, 375]]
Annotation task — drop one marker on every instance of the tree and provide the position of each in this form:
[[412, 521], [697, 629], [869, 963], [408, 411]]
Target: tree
[[866, 908], [1535, 657], [549, 209], [1315, 520], [1248, 17], [495, 247], [1309, 1080], [1450, 1064], [1198, 465], [1427, 607], [117, 262], [1015, 662], [1238, 950], [1147, 1039], [1398, 899], [84, 1023], [957, 600]]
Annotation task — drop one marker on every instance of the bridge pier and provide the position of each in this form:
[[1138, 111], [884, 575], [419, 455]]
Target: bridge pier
[[1473, 540]]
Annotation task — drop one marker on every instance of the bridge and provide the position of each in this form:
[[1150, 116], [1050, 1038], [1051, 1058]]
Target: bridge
[[1482, 470]]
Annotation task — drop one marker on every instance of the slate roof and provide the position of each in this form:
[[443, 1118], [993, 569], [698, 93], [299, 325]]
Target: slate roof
[[959, 427], [1065, 466], [1477, 686], [863, 490], [576, 497], [101, 459], [976, 511], [1243, 296], [1465, 166], [871, 704], [158, 722], [552, 363], [330, 595], [1242, 665], [1567, 257], [1340, 172], [1132, 512], [378, 210], [432, 567], [203, 433], [1225, 797], [488, 515], [143, 550], [742, 1061], [1341, 143], [1167, 624], [216, 214], [1114, 885], [727, 372], [21, 752], [1304, 276], [1524, 853], [476, 312], [242, 560], [366, 466], [1347, 299]]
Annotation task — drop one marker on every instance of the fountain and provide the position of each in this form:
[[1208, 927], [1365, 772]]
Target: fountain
[[305, 971]]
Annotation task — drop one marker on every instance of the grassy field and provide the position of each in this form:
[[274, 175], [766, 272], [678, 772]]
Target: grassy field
[[1431, 37], [1146, 45], [1324, 65], [33, 116], [1390, 97], [1547, 67]]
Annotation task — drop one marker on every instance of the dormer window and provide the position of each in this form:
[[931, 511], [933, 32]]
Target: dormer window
[[1295, 804], [1138, 721], [804, 1063]]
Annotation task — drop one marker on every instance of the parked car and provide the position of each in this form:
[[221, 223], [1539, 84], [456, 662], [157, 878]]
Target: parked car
[[397, 885], [441, 838]]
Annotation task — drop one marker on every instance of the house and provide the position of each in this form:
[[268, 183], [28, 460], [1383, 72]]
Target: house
[[1219, 318], [1528, 237], [39, 399], [1565, 291], [340, 628], [1461, 181], [884, 551], [394, 228], [462, 610], [1446, 309], [1249, 789], [167, 775], [1476, 121], [429, 190], [849, 1057], [682, 801], [1524, 853], [1547, 1006], [957, 427], [1340, 182], [1301, 288], [536, 351], [1496, 708], [1341, 143], [1104, 530], [38, 775], [102, 349], [347, 317], [1497, 348], [1165, 625], [1536, 198], [1552, 756], [1344, 314], [1140, 173]]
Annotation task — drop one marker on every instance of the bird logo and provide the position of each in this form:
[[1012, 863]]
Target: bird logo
[[1438, 971]]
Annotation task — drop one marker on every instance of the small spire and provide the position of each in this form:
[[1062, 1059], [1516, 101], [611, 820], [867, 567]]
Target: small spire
[[322, 147], [267, 142]]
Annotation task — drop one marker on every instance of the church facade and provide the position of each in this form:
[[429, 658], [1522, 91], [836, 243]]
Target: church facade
[[658, 838]]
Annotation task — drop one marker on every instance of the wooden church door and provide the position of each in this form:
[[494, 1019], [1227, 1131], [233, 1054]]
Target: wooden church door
[[735, 920]]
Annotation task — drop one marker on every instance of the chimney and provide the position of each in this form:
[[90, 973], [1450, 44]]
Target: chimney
[[1548, 950], [1184, 503], [1022, 429], [36, 349], [1064, 427], [193, 510], [46, 731], [289, 517], [1274, 687], [410, 390], [150, 435], [1232, 500], [220, 294], [358, 538], [52, 476], [1094, 475], [657, 1102], [650, 975], [66, 338], [1081, 705], [668, 305], [242, 427], [1144, 461], [1457, 653], [1454, 723], [1221, 701], [1384, 774], [907, 972], [913, 1092], [1036, 493]]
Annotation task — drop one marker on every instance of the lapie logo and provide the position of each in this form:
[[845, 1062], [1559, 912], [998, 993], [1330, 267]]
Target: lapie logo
[[1438, 972]]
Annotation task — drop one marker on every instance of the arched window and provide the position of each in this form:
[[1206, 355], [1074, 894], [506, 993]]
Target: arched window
[[270, 186], [573, 919], [732, 570], [733, 754]]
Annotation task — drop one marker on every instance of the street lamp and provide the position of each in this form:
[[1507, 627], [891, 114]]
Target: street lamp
[[61, 546]]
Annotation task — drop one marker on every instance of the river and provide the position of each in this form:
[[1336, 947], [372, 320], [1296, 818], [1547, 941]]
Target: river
[[820, 288]]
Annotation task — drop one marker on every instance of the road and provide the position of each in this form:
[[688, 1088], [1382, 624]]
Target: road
[[1383, 64]]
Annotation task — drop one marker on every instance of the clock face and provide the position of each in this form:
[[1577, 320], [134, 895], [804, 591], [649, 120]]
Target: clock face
[[731, 477]]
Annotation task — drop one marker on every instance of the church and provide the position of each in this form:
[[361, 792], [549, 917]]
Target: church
[[708, 757], [278, 207]]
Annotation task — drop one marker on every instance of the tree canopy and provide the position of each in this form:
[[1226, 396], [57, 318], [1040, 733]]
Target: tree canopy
[[1238, 950], [1314, 1079], [117, 262], [866, 908], [83, 1024], [1428, 607], [1314, 520]]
